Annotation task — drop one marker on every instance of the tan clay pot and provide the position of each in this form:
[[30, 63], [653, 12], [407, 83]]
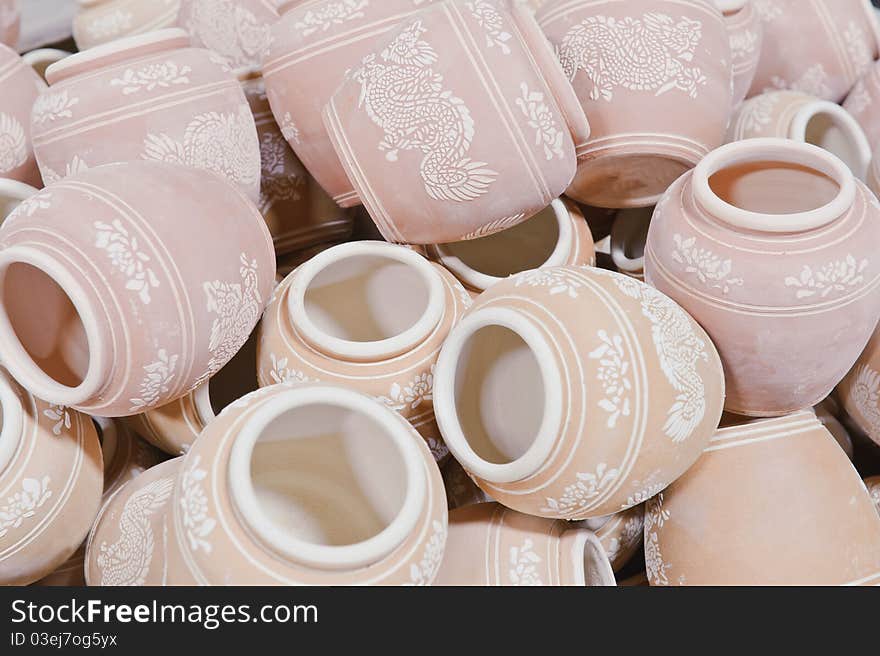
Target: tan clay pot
[[873, 485], [100, 21], [620, 534]]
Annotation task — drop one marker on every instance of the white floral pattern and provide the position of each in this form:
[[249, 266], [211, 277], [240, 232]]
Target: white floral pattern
[[858, 47], [412, 394], [841, 276], [160, 75], [52, 106], [109, 25], [278, 182], [859, 99], [864, 394], [60, 415], [614, 375], [743, 44], [557, 280], [491, 20], [425, 571], [158, 376], [524, 565], [229, 29], [768, 10], [756, 113], [628, 536], [644, 495], [709, 269], [655, 517], [24, 504], [195, 515], [578, 496], [281, 373], [329, 14], [126, 256], [289, 129], [542, 120], [13, 143], [30, 206], [813, 81], [74, 166]]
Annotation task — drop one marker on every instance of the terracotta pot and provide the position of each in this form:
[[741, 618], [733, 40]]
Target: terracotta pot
[[873, 485], [176, 426], [655, 117], [369, 315], [819, 47], [149, 97], [22, 86], [715, 246], [746, 33], [365, 492], [859, 391], [12, 194], [620, 535], [576, 424], [10, 22], [556, 236], [628, 237], [298, 212], [125, 458], [863, 103], [460, 488], [42, 58], [457, 156], [239, 31], [105, 303], [805, 517], [837, 429], [51, 476], [490, 545], [100, 21], [801, 117]]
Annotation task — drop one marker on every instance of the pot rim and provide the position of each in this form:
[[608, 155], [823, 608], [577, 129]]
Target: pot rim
[[581, 539], [362, 554], [16, 191], [841, 119], [445, 404], [13, 421], [729, 7]]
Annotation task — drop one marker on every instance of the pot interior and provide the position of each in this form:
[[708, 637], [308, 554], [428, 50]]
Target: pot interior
[[236, 379], [825, 131]]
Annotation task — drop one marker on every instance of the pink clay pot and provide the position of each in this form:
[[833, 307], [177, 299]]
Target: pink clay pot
[[22, 86], [746, 33], [10, 22], [42, 58], [716, 246], [620, 535], [628, 236], [819, 47], [863, 103], [51, 476], [873, 177], [12, 194], [575, 393], [654, 118], [480, 135], [149, 97], [873, 485], [490, 545], [100, 21], [368, 315], [106, 306], [859, 391]]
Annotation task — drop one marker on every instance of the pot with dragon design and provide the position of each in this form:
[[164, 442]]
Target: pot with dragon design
[[576, 393], [746, 32], [100, 21]]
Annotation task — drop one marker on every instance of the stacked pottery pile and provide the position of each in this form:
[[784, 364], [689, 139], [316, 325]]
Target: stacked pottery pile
[[453, 292]]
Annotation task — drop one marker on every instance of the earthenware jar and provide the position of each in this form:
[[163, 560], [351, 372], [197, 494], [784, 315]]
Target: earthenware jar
[[239, 31], [819, 47], [10, 22], [368, 315], [148, 97], [12, 194], [770, 275], [873, 485], [746, 39], [99, 21], [476, 134], [460, 488], [106, 304], [655, 115], [805, 517], [837, 429], [125, 458], [859, 391], [51, 477], [43, 58], [576, 424], [174, 427], [298, 212], [801, 117], [873, 177], [22, 86], [558, 235], [863, 103], [490, 545], [288, 263], [628, 237], [620, 534], [363, 485]]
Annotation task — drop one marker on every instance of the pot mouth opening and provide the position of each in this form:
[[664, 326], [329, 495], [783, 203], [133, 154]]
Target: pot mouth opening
[[11, 421], [327, 477], [49, 329], [541, 241], [496, 358], [235, 380], [366, 300], [108, 436], [832, 128], [591, 565], [739, 184]]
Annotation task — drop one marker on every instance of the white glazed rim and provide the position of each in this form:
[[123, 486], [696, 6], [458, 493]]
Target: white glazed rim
[[16, 191], [841, 119], [364, 553], [578, 554], [43, 55], [772, 149], [59, 70], [481, 281], [385, 348], [13, 421], [444, 397], [730, 6], [16, 358], [202, 400], [109, 440]]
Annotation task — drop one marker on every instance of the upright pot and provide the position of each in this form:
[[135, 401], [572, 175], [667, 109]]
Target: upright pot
[[100, 21], [863, 103], [746, 31], [22, 86]]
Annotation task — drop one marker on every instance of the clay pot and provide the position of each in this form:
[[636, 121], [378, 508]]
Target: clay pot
[[819, 47], [125, 458], [873, 485], [368, 315], [863, 103], [10, 22], [576, 424], [653, 118], [477, 134], [873, 177], [837, 429], [804, 118], [628, 237], [771, 275], [239, 31], [804, 518], [176, 426], [298, 212], [149, 97], [51, 476], [106, 306], [100, 21], [290, 262], [556, 236], [746, 33], [42, 58], [620, 535], [21, 87], [490, 545], [366, 493], [859, 391], [460, 488], [12, 194]]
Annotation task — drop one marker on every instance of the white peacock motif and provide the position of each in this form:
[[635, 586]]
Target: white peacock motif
[[127, 561], [404, 96], [651, 53], [13, 143]]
